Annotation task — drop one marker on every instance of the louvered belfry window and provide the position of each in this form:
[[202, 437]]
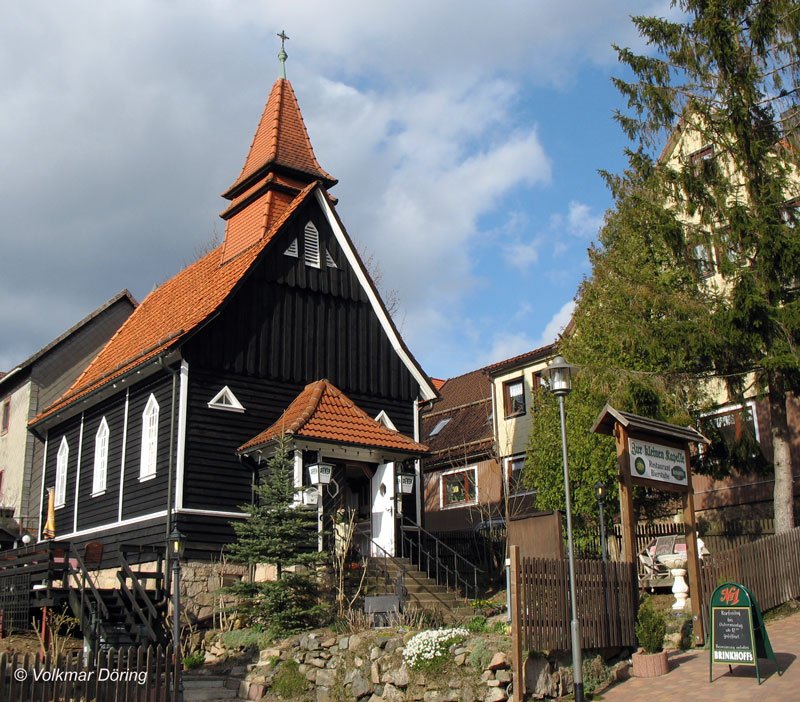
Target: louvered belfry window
[[311, 246]]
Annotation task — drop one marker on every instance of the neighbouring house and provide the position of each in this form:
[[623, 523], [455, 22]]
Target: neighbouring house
[[34, 384], [279, 330], [514, 383], [733, 418], [463, 484]]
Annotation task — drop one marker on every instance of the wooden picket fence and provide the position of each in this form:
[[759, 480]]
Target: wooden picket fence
[[607, 596], [769, 568], [129, 674]]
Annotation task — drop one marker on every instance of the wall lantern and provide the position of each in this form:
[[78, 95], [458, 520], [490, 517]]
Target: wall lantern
[[600, 492], [406, 483], [320, 473]]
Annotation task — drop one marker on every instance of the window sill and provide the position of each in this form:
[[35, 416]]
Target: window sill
[[458, 505], [515, 415], [145, 478], [61, 506], [99, 492]]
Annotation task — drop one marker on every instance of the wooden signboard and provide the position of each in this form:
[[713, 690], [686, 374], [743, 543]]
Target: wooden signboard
[[655, 454], [738, 634]]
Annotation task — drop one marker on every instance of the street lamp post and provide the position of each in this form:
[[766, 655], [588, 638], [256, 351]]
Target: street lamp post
[[600, 493], [559, 375], [177, 541]]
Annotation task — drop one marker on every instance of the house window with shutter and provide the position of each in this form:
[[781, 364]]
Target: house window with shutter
[[147, 467], [61, 472], [514, 397], [311, 246], [100, 459]]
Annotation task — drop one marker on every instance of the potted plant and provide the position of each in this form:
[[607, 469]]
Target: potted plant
[[650, 660]]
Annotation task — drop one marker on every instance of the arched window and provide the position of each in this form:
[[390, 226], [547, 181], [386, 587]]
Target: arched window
[[61, 472], [100, 458], [147, 467]]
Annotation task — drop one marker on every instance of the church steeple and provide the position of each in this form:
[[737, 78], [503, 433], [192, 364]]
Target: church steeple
[[280, 163]]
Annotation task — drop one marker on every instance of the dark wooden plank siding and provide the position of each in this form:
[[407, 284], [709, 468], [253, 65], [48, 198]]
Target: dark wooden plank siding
[[295, 323], [206, 535], [148, 496], [64, 515], [214, 478], [101, 509]]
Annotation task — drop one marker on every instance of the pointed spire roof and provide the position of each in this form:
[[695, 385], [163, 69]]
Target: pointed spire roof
[[322, 412], [280, 145]]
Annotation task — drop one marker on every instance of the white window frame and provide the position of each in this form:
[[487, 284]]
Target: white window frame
[[731, 407], [226, 400], [149, 454], [62, 461], [508, 472], [384, 419], [100, 474], [457, 505]]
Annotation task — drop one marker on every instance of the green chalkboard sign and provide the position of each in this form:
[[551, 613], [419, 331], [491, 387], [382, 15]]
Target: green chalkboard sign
[[738, 634]]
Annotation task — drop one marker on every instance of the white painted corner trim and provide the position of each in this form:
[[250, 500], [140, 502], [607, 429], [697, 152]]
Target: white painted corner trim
[[428, 393]]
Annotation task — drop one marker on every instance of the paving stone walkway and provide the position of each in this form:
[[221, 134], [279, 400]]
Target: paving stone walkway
[[688, 677]]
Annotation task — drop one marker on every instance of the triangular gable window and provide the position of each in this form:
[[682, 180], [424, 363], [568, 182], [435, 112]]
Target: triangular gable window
[[292, 250], [311, 246], [384, 419], [226, 400], [329, 262]]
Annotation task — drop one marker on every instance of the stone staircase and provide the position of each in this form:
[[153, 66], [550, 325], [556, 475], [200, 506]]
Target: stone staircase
[[208, 688], [421, 591]]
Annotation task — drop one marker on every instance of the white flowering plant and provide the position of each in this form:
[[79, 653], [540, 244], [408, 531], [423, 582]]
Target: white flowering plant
[[429, 648]]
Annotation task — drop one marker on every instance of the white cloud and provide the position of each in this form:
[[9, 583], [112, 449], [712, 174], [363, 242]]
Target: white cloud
[[521, 255], [122, 122]]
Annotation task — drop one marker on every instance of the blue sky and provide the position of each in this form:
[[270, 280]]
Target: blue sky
[[466, 142]]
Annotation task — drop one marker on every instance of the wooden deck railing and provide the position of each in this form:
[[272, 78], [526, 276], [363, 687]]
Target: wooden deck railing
[[607, 595], [769, 568]]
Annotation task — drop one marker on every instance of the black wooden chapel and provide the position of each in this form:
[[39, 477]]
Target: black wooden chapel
[[147, 438]]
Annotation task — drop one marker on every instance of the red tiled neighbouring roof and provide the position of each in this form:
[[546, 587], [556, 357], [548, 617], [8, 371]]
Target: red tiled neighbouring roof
[[323, 412], [536, 354], [438, 382], [170, 312], [466, 401], [281, 139]]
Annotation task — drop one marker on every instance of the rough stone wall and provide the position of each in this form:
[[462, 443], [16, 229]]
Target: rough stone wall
[[369, 667]]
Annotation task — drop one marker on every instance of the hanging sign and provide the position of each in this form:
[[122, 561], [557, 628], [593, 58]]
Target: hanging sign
[[652, 461], [738, 634]]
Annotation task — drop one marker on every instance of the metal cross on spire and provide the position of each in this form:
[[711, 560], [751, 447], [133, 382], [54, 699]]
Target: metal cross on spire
[[282, 55]]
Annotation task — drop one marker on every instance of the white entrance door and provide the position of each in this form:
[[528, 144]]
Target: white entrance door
[[382, 488]]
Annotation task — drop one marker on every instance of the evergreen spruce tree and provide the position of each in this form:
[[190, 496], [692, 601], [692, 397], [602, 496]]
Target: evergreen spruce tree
[[650, 330], [726, 70], [279, 532], [276, 530]]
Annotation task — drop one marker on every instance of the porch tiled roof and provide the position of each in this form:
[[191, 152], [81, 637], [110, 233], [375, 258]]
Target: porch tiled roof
[[322, 412]]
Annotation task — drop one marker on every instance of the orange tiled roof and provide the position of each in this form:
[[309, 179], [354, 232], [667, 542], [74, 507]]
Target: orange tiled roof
[[281, 139], [323, 412], [170, 312]]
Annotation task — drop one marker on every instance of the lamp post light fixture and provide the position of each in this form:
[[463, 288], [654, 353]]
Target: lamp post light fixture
[[600, 492], [559, 376], [320, 474], [177, 542]]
